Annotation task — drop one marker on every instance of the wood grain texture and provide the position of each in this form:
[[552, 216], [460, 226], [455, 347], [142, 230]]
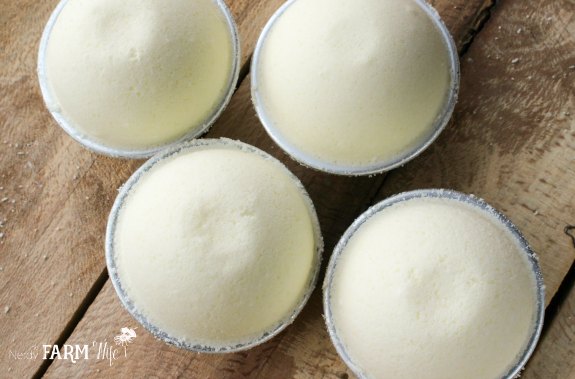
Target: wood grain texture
[[54, 195], [304, 349], [463, 18]]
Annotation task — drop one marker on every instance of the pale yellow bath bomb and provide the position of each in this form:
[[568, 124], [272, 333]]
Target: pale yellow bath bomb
[[134, 74], [433, 288], [353, 82], [216, 246]]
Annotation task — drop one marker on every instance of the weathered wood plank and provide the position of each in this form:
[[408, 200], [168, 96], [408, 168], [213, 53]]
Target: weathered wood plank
[[554, 355], [58, 194], [462, 18], [304, 350]]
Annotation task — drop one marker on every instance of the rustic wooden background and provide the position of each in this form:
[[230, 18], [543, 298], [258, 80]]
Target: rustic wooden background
[[511, 141]]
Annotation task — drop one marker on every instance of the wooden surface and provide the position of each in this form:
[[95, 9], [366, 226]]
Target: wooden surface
[[512, 141]]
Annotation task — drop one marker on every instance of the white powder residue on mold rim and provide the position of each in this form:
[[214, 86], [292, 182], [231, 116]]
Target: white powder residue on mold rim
[[237, 251]]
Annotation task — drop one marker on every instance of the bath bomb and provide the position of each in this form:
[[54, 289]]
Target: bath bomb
[[353, 82], [137, 74], [216, 246], [433, 288]]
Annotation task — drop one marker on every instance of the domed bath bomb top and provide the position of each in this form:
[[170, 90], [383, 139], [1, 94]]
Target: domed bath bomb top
[[136, 74], [433, 288], [216, 246], [353, 82]]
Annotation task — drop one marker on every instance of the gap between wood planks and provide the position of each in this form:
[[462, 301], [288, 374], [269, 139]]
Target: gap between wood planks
[[480, 22], [75, 319], [567, 285], [96, 288]]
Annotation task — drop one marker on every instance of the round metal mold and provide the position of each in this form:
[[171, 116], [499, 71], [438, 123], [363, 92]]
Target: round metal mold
[[479, 205], [311, 161], [100, 147], [190, 147]]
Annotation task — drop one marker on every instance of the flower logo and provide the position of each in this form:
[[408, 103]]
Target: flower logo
[[126, 337]]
